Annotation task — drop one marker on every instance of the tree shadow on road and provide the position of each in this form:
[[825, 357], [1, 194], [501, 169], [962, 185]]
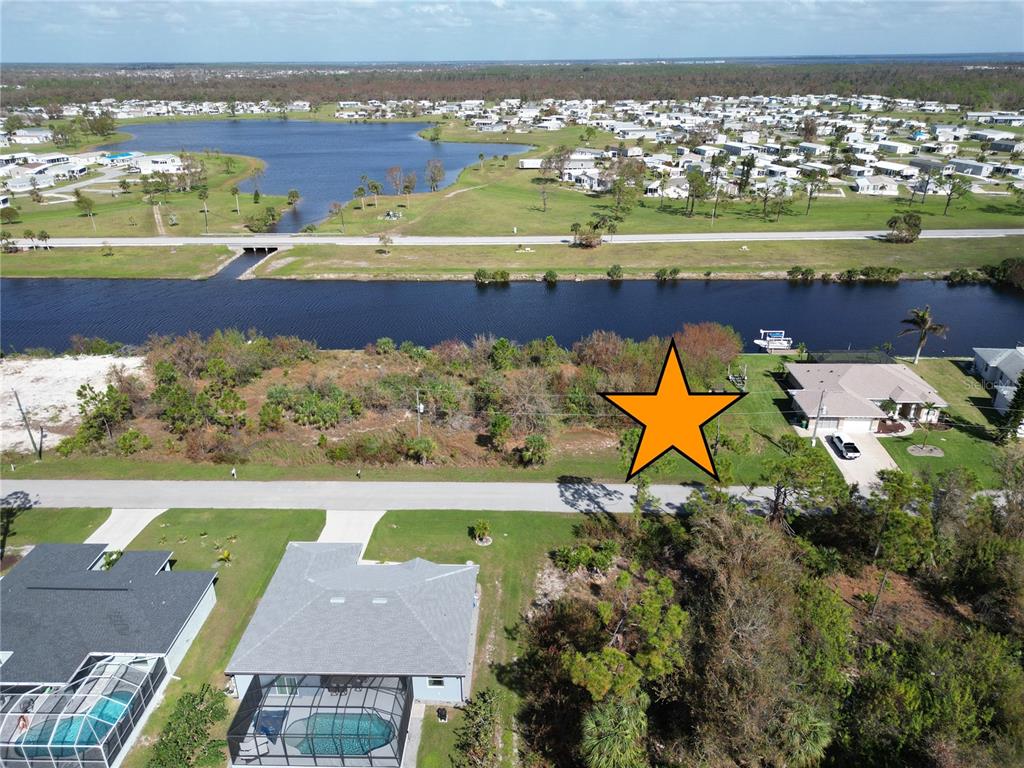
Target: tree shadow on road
[[585, 496]]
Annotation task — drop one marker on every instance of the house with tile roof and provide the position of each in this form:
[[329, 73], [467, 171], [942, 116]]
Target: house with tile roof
[[848, 397], [338, 650]]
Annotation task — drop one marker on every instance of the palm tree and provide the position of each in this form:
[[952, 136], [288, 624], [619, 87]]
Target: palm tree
[[234, 191], [481, 158], [29, 235], [575, 229], [922, 323], [615, 732], [256, 174], [360, 192], [44, 237], [375, 188]]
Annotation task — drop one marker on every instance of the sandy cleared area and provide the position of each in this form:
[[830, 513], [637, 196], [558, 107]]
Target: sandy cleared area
[[47, 390]]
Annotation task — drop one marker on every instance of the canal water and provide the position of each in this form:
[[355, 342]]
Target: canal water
[[46, 312], [324, 161]]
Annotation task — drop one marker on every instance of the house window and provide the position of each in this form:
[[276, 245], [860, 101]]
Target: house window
[[435, 682], [286, 685]]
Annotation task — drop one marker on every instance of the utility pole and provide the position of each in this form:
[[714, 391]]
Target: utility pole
[[36, 449], [821, 412], [419, 413]]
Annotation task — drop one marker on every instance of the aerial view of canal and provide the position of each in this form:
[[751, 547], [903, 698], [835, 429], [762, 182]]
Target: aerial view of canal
[[346, 314], [324, 161]]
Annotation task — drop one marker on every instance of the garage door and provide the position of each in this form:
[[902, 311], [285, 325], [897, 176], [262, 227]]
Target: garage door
[[828, 424]]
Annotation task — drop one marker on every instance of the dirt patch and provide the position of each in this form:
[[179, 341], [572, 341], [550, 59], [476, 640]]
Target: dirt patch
[[926, 450], [47, 387], [902, 603]]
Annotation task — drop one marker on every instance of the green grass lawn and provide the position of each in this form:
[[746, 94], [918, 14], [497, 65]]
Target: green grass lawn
[[971, 441], [128, 214], [924, 257], [497, 197], [61, 526], [184, 262], [508, 570], [260, 536]]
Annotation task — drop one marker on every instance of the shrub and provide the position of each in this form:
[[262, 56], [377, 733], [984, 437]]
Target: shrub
[[475, 744], [503, 354], [185, 740], [803, 274], [132, 441], [665, 274], [420, 449], [480, 529], [599, 558], [271, 416], [485, 276], [881, 274], [498, 428], [963, 276], [551, 277], [615, 272], [384, 346], [84, 345], [535, 451]]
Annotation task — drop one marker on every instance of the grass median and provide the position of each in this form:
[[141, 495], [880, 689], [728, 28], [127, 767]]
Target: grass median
[[723, 259], [182, 262]]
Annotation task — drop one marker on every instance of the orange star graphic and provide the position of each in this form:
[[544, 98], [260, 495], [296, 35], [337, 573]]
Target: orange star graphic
[[672, 417]]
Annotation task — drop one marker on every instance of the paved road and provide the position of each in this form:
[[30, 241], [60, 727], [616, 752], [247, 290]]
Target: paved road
[[277, 240], [355, 496]]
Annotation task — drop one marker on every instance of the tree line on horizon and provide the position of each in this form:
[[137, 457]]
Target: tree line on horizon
[[998, 87]]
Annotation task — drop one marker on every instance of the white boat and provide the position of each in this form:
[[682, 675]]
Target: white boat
[[774, 341]]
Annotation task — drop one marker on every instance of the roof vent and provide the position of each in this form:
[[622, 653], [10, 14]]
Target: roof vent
[[380, 601], [337, 600]]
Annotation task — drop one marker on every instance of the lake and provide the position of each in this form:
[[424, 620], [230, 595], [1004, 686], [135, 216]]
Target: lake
[[324, 161], [45, 313]]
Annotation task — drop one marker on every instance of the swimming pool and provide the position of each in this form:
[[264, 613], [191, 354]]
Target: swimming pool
[[339, 734], [75, 730]]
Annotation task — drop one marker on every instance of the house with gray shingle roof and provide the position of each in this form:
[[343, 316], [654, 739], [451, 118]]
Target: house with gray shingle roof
[[86, 645], [849, 396], [338, 650], [1001, 371]]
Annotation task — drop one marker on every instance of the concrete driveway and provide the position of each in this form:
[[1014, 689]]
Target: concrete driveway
[[864, 469]]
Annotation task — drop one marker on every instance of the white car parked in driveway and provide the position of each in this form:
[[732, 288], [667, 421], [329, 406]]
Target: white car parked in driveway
[[844, 446]]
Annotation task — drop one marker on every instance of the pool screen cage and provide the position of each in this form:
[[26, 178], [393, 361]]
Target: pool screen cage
[[322, 720], [84, 723]]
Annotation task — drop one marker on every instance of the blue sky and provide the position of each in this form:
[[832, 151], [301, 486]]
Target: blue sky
[[393, 30]]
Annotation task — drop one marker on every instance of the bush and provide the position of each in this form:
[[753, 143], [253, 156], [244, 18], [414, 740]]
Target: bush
[[271, 416], [384, 346], [665, 274], [615, 272], [498, 428], [420, 449], [480, 529], [485, 276], [133, 441], [503, 354], [84, 345], [599, 558], [185, 740], [535, 451], [965, 277], [551, 277], [803, 274]]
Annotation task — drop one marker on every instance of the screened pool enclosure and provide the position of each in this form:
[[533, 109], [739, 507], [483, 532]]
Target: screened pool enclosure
[[321, 720], [85, 723]]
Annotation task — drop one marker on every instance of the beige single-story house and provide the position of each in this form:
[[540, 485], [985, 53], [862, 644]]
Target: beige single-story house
[[850, 395]]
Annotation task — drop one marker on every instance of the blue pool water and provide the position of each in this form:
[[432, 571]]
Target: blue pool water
[[77, 730], [339, 734]]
